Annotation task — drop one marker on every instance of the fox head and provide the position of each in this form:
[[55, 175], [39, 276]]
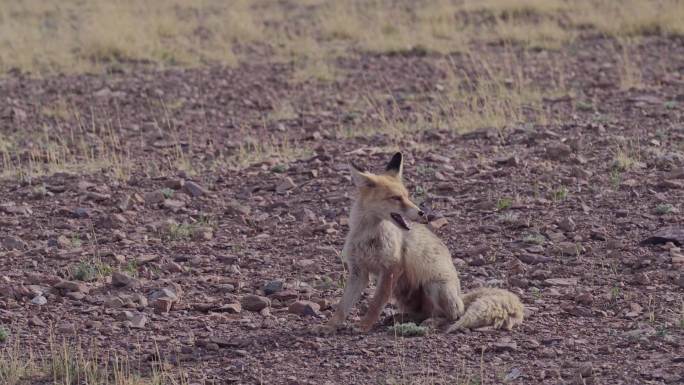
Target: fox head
[[384, 195]]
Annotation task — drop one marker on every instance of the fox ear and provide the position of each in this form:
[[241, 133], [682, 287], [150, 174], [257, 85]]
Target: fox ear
[[395, 167], [360, 177]]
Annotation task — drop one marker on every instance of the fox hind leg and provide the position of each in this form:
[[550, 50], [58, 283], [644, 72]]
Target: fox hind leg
[[446, 297]]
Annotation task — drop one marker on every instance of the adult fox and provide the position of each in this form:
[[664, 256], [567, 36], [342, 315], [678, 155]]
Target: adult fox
[[412, 264]]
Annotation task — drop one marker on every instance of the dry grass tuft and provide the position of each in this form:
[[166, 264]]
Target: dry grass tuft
[[71, 364]]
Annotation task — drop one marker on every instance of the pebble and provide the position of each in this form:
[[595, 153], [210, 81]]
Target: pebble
[[138, 321], [567, 224], [304, 308], [273, 287], [561, 281], [120, 279], [13, 243], [254, 303], [72, 286], [154, 197], [194, 190]]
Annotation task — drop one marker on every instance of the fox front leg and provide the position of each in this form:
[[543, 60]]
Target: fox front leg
[[383, 292], [358, 280]]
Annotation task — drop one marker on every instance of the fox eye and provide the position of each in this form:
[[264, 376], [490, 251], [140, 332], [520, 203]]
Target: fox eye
[[396, 198]]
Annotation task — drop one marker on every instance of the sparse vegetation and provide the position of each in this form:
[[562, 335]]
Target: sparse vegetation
[[90, 270], [71, 364], [664, 208], [4, 334], [560, 194], [504, 203], [535, 239], [408, 329]]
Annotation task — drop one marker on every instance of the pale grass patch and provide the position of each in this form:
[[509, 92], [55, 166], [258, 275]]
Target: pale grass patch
[[268, 150], [76, 36], [629, 69], [519, 8], [626, 155], [70, 364], [81, 147], [630, 17], [547, 34], [494, 98]]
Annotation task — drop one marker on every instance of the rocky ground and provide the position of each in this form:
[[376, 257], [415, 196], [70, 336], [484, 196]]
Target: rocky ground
[[184, 238]]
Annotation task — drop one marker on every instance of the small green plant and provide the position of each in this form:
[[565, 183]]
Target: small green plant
[[279, 168], [504, 203], [90, 270], [131, 268], [615, 178], [615, 293], [177, 232], [325, 283], [168, 193], [4, 334], [560, 194], [670, 104], [76, 241], [664, 208], [84, 271], [420, 194], [535, 239], [536, 293], [408, 329]]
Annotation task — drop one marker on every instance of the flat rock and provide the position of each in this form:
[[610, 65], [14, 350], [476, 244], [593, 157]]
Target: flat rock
[[72, 286], [304, 308], [567, 224], [255, 303], [561, 281], [138, 321], [120, 279], [39, 300], [273, 287], [154, 197], [194, 190], [285, 184], [12, 242]]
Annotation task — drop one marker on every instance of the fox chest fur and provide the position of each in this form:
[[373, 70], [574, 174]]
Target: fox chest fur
[[375, 247]]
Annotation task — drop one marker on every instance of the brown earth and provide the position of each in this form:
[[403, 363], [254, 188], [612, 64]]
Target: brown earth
[[539, 208]]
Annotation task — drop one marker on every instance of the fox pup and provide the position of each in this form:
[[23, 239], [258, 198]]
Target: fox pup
[[489, 306], [412, 265]]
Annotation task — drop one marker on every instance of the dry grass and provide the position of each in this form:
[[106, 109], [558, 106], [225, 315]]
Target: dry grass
[[272, 151], [76, 36], [77, 145], [491, 97], [70, 364], [80, 36]]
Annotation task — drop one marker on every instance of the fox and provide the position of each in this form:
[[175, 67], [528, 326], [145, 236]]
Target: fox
[[389, 238], [488, 306]]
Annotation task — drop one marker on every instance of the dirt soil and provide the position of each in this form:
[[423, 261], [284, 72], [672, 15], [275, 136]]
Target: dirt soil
[[540, 209]]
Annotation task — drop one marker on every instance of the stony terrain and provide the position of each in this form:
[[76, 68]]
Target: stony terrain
[[174, 222]]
